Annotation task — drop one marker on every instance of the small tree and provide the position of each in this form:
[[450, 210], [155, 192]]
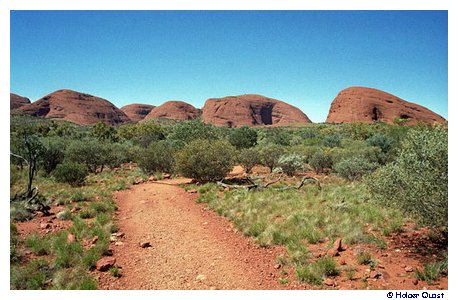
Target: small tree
[[53, 154], [29, 149], [354, 168], [158, 157], [320, 161], [417, 181], [249, 158], [104, 132], [269, 155], [71, 173], [382, 141], [206, 160], [243, 137], [188, 131], [94, 154], [291, 163]]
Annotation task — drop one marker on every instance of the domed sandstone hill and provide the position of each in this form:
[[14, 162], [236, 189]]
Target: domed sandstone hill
[[367, 105], [17, 101], [176, 110], [76, 107], [137, 112], [250, 110]]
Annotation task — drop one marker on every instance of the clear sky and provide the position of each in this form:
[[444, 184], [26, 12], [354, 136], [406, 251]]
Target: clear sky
[[302, 57]]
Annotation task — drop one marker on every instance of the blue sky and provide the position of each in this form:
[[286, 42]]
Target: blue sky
[[302, 57]]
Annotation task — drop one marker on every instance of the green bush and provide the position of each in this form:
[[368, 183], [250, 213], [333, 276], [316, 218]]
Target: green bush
[[243, 137], [332, 141], [93, 153], [320, 161], [53, 154], [382, 141], [354, 168], [291, 163], [249, 158], [188, 131], [205, 160], [417, 181], [71, 173], [158, 157], [270, 154]]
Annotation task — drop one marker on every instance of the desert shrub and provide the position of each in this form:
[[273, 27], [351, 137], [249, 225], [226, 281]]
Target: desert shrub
[[291, 163], [332, 141], [188, 131], [104, 132], [158, 157], [274, 135], [249, 158], [53, 154], [119, 154], [269, 155], [431, 272], [243, 137], [417, 181], [206, 160], [354, 168], [15, 175], [315, 273], [320, 161], [94, 154], [142, 134], [71, 173], [382, 141]]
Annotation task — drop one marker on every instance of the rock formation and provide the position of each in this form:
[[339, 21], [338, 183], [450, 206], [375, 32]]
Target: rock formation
[[176, 110], [137, 112], [79, 108], [367, 105], [251, 110], [17, 101]]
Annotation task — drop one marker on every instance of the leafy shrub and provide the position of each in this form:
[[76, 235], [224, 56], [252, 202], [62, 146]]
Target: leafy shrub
[[274, 135], [15, 175], [119, 154], [205, 161], [243, 137], [188, 131], [158, 157], [354, 168], [53, 154], [382, 141], [332, 141], [417, 181], [431, 272], [270, 154], [104, 132], [249, 158], [94, 154], [142, 134], [320, 161], [71, 173], [291, 163]]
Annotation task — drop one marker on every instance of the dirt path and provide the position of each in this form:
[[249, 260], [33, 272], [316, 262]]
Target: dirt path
[[192, 247]]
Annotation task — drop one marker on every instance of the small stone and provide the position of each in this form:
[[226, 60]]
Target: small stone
[[329, 282], [415, 281], [408, 269], [338, 245], [145, 244], [152, 178], [167, 176], [71, 238], [201, 277], [105, 263], [332, 252], [342, 262], [193, 191], [45, 225], [113, 238], [375, 274], [119, 234], [94, 239], [119, 243], [381, 266], [397, 250], [277, 266]]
